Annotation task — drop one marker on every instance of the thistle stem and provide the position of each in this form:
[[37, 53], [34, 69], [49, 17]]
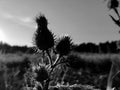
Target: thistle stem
[[52, 68], [46, 84], [57, 60], [116, 11], [49, 57], [61, 63], [43, 54]]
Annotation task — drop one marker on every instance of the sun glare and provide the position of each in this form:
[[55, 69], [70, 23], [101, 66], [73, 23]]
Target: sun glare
[[2, 35]]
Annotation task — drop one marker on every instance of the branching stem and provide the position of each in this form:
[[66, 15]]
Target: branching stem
[[49, 57], [57, 60], [116, 11]]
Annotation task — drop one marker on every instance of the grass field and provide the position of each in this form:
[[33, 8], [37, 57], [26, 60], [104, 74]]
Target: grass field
[[66, 77]]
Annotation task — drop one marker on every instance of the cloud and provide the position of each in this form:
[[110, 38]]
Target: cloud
[[6, 15], [26, 20], [22, 20]]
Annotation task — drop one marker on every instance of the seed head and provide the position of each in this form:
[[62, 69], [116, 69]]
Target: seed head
[[42, 74], [64, 45], [43, 39], [113, 4]]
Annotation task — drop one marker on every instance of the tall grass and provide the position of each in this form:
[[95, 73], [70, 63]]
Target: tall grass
[[69, 76]]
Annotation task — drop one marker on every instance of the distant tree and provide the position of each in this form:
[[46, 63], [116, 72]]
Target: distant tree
[[91, 47], [113, 47], [4, 47], [80, 47], [104, 47]]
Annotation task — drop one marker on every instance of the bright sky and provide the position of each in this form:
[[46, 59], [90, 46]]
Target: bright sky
[[84, 20]]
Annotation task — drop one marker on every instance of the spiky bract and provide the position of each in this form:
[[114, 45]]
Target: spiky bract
[[44, 39], [41, 21], [64, 45]]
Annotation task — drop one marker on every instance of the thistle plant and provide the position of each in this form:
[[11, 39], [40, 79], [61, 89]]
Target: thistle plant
[[45, 41], [63, 47], [114, 5], [42, 74], [44, 38]]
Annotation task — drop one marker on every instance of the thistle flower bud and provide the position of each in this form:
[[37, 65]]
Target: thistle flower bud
[[44, 39], [113, 4], [64, 45], [42, 74]]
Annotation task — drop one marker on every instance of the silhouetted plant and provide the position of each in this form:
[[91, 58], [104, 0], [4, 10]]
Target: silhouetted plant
[[44, 41], [64, 45], [113, 5], [42, 74]]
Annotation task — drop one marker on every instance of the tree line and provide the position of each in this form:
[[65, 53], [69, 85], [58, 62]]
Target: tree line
[[6, 48], [106, 47]]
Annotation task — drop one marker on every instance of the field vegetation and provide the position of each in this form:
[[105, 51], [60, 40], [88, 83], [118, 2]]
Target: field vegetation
[[56, 64], [77, 76]]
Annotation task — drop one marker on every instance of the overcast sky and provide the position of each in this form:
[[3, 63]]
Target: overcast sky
[[84, 20]]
